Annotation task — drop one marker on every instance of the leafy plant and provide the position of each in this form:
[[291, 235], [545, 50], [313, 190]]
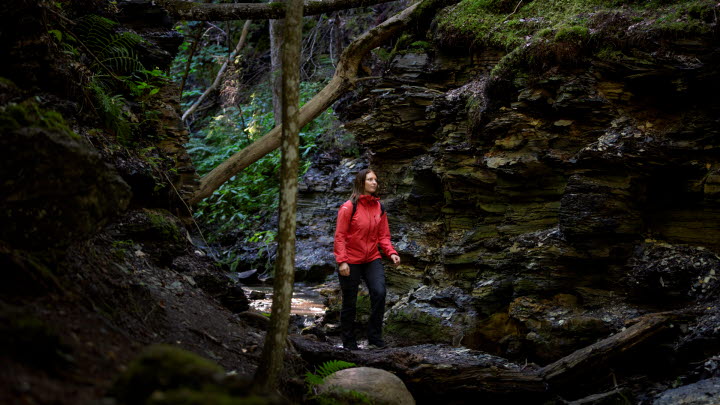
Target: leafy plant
[[247, 199], [113, 111], [312, 380]]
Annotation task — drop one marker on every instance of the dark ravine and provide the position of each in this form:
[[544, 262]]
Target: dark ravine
[[559, 230]]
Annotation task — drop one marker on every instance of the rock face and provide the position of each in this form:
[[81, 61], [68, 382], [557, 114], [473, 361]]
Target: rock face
[[535, 214], [380, 387], [700, 393]]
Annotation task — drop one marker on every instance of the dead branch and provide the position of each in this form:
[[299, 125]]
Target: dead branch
[[188, 11], [216, 83]]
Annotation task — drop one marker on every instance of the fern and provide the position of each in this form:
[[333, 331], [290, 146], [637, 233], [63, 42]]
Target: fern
[[111, 111], [326, 369], [114, 51]]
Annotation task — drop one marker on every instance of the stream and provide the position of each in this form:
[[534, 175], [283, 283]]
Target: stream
[[306, 302]]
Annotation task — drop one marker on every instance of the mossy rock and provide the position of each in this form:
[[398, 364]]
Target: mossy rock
[[165, 368], [61, 189], [29, 339], [29, 114], [165, 226], [417, 327], [160, 233]]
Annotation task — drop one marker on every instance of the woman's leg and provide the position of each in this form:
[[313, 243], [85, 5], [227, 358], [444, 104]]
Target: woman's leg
[[374, 276], [349, 288]]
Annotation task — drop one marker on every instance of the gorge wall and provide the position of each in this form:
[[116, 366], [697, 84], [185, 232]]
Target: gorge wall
[[535, 210]]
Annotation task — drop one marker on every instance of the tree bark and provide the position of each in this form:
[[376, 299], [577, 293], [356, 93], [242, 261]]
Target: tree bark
[[344, 78], [276, 80], [196, 41], [188, 11], [271, 364], [216, 83]]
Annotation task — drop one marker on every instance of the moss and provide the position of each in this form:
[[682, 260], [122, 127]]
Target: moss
[[363, 305], [29, 114], [164, 368], [572, 33], [533, 32], [164, 227], [417, 326]]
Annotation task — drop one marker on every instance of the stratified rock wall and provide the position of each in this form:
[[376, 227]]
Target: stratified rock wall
[[553, 201]]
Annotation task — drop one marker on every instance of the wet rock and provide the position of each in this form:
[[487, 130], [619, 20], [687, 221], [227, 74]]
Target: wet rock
[[557, 327], [257, 295], [377, 386], [703, 392], [660, 271], [429, 315]]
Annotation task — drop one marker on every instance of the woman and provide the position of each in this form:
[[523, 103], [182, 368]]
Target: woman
[[362, 225]]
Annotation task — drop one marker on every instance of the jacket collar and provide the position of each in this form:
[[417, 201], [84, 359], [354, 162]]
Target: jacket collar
[[367, 199]]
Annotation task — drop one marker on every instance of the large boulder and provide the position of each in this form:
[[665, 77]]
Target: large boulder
[[55, 188], [378, 387]]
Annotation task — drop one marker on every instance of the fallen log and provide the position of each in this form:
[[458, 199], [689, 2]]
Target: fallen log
[[447, 372], [597, 357]]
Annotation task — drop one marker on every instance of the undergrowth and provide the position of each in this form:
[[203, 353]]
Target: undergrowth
[[250, 197]]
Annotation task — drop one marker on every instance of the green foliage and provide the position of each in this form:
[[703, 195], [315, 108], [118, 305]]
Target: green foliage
[[248, 198], [113, 52], [572, 33], [146, 83], [326, 369], [112, 110]]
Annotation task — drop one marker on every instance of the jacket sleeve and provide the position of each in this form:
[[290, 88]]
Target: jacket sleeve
[[384, 239], [341, 233]]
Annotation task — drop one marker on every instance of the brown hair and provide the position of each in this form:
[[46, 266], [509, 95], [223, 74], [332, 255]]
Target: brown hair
[[358, 186]]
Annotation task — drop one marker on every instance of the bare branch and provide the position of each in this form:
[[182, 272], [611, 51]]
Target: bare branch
[[189, 11]]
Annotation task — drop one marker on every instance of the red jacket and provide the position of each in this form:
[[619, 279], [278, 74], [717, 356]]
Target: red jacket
[[357, 242]]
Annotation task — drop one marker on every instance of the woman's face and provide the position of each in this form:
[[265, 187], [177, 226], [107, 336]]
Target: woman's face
[[371, 183]]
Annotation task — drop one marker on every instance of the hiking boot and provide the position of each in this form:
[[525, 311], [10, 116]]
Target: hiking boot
[[377, 345], [352, 345]]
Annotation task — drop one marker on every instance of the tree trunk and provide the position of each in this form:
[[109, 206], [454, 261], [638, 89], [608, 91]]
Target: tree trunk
[[344, 78], [188, 11], [196, 41], [271, 364], [276, 80], [216, 83]]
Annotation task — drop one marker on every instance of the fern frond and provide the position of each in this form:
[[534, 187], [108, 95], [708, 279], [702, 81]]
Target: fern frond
[[332, 366]]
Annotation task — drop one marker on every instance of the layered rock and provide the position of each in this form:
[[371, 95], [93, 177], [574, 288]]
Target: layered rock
[[553, 202]]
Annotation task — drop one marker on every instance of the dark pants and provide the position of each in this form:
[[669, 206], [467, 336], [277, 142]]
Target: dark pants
[[374, 276]]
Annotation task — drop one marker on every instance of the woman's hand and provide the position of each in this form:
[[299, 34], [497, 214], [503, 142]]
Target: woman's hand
[[395, 259], [344, 269]]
